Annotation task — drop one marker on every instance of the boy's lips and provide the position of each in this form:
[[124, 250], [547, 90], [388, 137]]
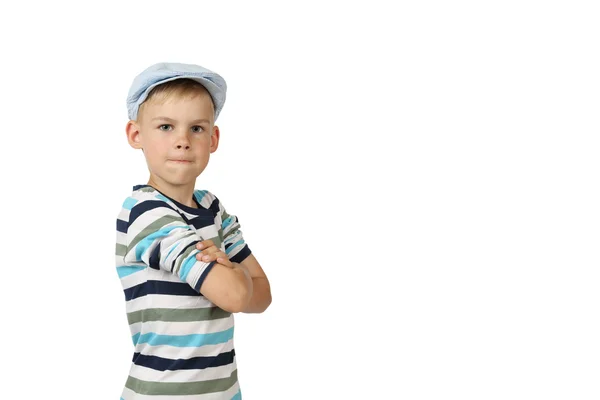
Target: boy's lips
[[181, 161]]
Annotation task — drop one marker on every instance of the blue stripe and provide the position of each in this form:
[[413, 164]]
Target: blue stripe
[[129, 203], [143, 245], [187, 265], [128, 270], [193, 340], [227, 222], [162, 197], [200, 195], [159, 287], [163, 364], [232, 246], [238, 396]]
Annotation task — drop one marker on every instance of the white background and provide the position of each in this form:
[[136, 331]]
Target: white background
[[419, 182]]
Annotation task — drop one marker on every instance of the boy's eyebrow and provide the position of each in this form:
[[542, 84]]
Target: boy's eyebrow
[[172, 120]]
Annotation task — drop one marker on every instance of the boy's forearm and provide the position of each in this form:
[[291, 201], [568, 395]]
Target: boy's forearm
[[261, 296], [260, 299], [247, 288]]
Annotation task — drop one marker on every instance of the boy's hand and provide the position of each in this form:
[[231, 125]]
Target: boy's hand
[[209, 252]]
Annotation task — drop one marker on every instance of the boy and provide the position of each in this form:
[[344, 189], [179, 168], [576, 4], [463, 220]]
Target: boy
[[181, 257]]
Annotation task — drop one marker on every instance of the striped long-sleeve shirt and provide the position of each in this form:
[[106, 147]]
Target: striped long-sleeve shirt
[[183, 342]]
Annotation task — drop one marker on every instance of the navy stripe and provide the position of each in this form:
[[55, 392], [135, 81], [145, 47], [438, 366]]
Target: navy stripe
[[154, 261], [203, 276], [192, 210], [144, 206], [181, 252], [163, 364], [214, 206], [122, 226], [159, 287], [241, 255], [201, 221]]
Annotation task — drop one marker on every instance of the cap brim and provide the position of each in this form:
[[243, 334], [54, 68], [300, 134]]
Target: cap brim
[[217, 94]]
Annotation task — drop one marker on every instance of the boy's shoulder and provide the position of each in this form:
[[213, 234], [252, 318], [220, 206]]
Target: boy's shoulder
[[144, 193], [205, 198]]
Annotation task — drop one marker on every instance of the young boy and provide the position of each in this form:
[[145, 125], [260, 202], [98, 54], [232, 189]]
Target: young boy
[[183, 263]]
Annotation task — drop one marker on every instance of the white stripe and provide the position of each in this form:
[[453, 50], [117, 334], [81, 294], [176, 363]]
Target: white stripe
[[175, 353], [167, 301], [207, 232], [124, 214], [183, 328], [170, 251], [233, 251], [136, 278], [152, 215], [184, 375], [207, 199], [226, 395], [179, 236], [150, 274], [121, 238]]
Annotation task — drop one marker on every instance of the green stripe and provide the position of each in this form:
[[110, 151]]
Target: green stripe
[[224, 215], [147, 189], [232, 229], [121, 250], [181, 388], [153, 227], [177, 315], [217, 241]]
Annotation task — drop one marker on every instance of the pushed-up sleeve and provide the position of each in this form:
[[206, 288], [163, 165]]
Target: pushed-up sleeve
[[158, 236], [236, 247]]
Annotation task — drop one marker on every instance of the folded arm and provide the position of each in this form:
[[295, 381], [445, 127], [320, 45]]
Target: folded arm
[[158, 236], [238, 252], [260, 298]]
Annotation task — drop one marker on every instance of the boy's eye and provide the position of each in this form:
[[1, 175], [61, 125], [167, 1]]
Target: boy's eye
[[166, 127]]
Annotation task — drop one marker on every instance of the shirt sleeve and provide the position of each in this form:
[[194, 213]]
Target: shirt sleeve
[[158, 236], [236, 247]]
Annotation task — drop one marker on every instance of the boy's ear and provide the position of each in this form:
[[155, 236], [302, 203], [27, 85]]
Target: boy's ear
[[133, 134], [214, 139]]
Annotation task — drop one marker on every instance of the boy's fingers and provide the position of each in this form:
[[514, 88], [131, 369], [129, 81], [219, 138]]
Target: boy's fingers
[[225, 261], [210, 250], [212, 256], [204, 244]]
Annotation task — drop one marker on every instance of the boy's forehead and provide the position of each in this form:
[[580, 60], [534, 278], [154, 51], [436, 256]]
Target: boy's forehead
[[175, 107]]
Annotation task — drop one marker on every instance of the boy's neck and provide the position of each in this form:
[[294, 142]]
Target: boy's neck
[[184, 194]]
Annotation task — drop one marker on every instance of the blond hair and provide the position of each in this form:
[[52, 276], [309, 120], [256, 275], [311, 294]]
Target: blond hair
[[181, 88]]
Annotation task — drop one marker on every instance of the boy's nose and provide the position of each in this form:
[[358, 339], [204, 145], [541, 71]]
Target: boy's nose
[[186, 147]]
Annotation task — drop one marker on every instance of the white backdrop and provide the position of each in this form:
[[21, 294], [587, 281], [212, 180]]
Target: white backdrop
[[419, 182]]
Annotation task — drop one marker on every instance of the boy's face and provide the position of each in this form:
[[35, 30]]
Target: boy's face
[[176, 137]]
